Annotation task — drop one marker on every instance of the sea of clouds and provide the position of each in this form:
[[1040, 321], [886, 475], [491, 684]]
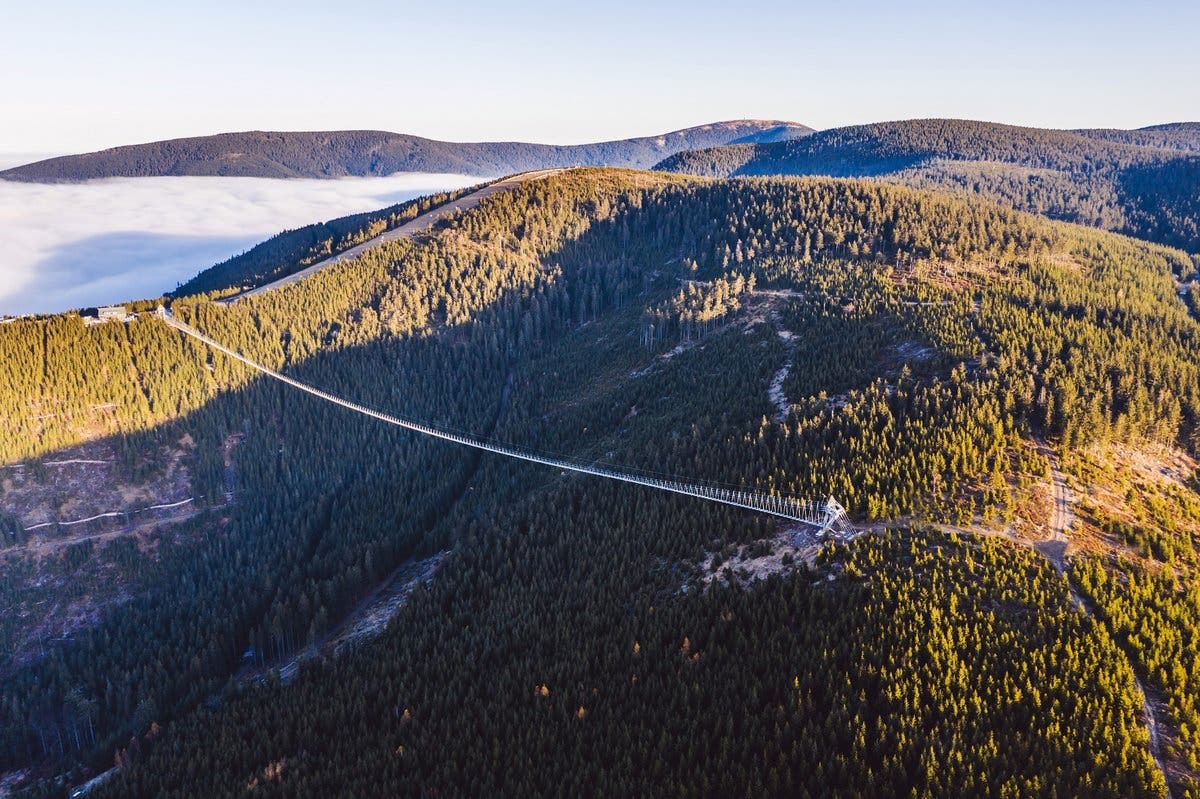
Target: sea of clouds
[[65, 246]]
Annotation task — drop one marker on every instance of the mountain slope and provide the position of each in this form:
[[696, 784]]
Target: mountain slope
[[889, 146], [899, 349], [1173, 135], [346, 153], [1092, 177], [293, 250]]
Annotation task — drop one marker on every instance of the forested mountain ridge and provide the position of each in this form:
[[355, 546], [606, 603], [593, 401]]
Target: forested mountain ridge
[[1144, 183], [889, 146], [1172, 135], [293, 250], [896, 348], [367, 153]]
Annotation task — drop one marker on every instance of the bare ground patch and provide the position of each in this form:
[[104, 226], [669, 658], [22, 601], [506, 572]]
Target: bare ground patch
[[87, 480], [368, 620], [1120, 486], [64, 571], [55, 590], [792, 545]]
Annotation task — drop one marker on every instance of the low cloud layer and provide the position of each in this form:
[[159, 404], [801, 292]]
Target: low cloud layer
[[67, 246]]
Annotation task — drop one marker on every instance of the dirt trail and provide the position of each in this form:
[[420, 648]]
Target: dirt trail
[[1054, 548], [409, 229], [41, 547]]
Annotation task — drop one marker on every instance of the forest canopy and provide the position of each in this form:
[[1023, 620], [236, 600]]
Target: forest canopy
[[897, 348], [1143, 182]]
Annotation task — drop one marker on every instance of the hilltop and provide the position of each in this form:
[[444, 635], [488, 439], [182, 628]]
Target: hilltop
[[1144, 182], [884, 147], [1174, 135], [334, 154]]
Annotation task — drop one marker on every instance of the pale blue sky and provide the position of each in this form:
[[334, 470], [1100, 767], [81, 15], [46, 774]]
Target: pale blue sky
[[85, 75]]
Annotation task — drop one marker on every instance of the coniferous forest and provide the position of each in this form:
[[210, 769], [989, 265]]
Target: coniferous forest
[[933, 360], [1143, 183]]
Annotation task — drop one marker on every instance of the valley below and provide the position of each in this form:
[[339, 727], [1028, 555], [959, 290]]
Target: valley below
[[110, 241]]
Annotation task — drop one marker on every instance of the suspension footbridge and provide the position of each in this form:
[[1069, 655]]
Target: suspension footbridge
[[826, 516]]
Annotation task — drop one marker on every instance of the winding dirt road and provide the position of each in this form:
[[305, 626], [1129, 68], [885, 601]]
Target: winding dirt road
[[1064, 515], [1054, 546], [409, 229]]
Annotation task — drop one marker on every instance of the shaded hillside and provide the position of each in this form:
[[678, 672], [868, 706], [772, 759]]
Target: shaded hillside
[[889, 146], [293, 250], [1173, 135], [363, 153], [916, 343], [1093, 179]]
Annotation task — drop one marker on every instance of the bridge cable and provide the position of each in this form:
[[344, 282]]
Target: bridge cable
[[828, 516]]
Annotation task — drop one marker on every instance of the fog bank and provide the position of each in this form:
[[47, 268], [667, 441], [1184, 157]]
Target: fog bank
[[66, 246]]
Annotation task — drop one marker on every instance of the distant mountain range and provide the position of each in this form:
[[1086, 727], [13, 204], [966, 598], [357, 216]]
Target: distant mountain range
[[1173, 135], [372, 153], [884, 147], [1143, 182]]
